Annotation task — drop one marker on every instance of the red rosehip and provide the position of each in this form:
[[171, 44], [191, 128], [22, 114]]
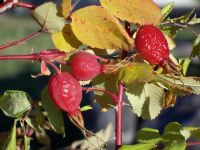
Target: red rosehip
[[85, 66], [152, 45], [65, 92]]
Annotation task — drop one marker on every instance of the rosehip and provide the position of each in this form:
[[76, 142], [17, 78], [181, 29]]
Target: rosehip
[[65, 92], [152, 45], [85, 66]]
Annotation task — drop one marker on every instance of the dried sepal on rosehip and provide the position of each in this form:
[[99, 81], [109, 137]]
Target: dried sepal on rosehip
[[153, 47]]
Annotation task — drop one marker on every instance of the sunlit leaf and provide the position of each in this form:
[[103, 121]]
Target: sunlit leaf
[[15, 103], [145, 146], [185, 62], [98, 28], [189, 83], [177, 89], [191, 132], [86, 108], [141, 72], [66, 7], [196, 47], [66, 40], [166, 10], [11, 143], [47, 16], [194, 20], [133, 10], [146, 99], [54, 115], [104, 135], [148, 135], [27, 141]]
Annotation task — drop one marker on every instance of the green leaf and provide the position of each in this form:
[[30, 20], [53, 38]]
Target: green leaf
[[15, 103], [148, 135], [185, 62], [146, 146], [173, 126], [190, 84], [133, 10], [174, 141], [98, 28], [194, 20], [107, 82], [171, 31], [167, 9], [172, 137], [27, 141], [37, 120], [191, 132], [140, 72], [54, 114], [146, 99], [196, 48], [183, 19], [11, 143], [86, 108], [47, 16], [66, 40]]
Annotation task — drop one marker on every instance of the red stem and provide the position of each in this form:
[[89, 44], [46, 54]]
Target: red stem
[[15, 43], [25, 5], [114, 97], [193, 143], [119, 110], [32, 57]]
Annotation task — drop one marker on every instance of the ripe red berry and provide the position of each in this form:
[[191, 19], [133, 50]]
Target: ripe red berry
[[152, 45], [85, 66], [66, 92]]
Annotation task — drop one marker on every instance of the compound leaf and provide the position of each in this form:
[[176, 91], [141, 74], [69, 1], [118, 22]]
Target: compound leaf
[[146, 146]]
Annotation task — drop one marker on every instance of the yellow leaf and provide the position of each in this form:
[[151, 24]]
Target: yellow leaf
[[96, 27], [66, 40], [66, 8], [135, 11], [170, 99]]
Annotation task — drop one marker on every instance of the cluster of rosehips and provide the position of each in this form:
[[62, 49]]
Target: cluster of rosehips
[[64, 88]]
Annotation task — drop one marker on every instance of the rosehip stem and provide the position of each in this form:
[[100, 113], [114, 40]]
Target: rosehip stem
[[193, 143], [25, 5], [119, 110], [15, 43], [114, 97], [37, 57]]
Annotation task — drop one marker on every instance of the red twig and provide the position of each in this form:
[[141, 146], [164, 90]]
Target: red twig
[[25, 5], [114, 97], [193, 143], [37, 57], [119, 110], [15, 43]]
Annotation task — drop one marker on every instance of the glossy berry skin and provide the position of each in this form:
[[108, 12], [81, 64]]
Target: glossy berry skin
[[152, 45], [65, 92], [85, 66]]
